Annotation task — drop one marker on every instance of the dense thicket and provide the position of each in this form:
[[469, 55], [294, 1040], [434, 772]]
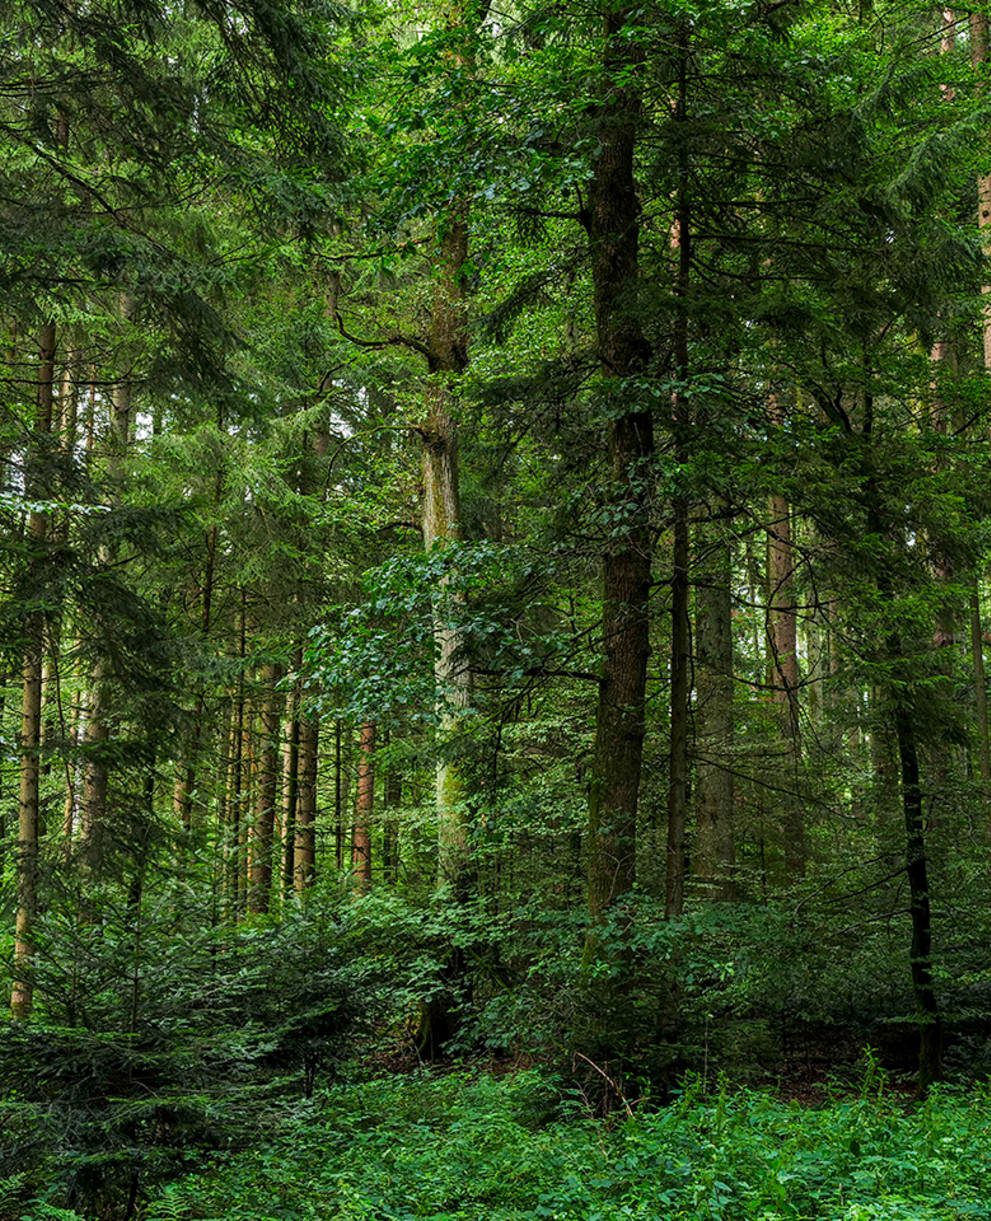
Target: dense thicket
[[495, 537]]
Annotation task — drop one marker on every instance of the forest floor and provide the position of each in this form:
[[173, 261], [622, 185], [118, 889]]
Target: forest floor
[[477, 1146]]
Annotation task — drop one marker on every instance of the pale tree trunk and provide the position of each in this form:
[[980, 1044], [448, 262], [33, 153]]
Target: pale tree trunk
[[714, 857], [612, 224], [448, 348], [266, 791], [447, 356], [361, 837], [29, 818]]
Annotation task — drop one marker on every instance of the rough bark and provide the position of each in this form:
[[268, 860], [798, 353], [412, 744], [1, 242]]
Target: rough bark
[[612, 223], [714, 856], [361, 836], [266, 791], [448, 359]]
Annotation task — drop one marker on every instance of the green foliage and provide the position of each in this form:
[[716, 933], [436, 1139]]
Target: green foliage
[[464, 1145], [157, 1043]]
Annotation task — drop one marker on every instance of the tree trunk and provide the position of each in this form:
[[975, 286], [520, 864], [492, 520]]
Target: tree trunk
[[448, 347], [95, 777], [29, 819], [230, 825], [612, 223], [361, 838], [980, 697], [266, 791], [291, 789], [714, 858], [186, 780], [681, 646], [304, 858], [782, 637], [930, 1027]]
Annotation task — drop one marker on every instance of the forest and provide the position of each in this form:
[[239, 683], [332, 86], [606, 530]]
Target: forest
[[495, 548]]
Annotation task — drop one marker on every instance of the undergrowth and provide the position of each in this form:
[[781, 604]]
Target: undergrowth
[[467, 1147]]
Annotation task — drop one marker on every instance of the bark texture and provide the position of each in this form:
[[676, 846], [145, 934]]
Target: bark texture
[[612, 223], [448, 359], [361, 837], [304, 858], [266, 790], [714, 856]]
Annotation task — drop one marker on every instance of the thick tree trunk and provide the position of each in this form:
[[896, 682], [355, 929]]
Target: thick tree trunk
[[361, 837], [266, 791], [29, 818], [612, 223], [714, 857], [448, 347]]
